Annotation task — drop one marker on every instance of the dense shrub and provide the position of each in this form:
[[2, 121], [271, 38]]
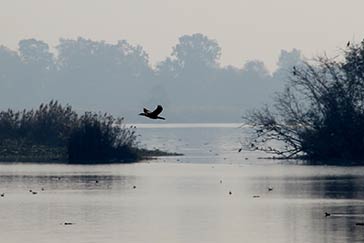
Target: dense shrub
[[98, 138], [50, 124], [57, 132]]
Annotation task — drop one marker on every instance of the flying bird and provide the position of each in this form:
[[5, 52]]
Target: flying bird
[[153, 114]]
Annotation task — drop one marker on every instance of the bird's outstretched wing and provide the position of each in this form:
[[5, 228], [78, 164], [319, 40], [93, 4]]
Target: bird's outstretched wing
[[157, 111], [146, 111]]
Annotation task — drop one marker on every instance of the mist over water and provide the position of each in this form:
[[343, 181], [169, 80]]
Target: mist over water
[[181, 199], [91, 75]]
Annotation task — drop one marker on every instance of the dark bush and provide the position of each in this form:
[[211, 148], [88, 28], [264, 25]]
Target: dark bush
[[100, 138], [50, 124], [56, 132]]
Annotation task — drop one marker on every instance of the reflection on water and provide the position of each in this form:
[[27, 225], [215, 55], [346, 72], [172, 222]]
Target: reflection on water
[[183, 201]]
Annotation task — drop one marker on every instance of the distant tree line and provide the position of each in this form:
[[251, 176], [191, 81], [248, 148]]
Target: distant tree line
[[57, 133], [319, 115], [118, 77]]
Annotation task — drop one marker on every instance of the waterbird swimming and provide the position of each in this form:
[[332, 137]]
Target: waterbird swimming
[[327, 214], [153, 114]]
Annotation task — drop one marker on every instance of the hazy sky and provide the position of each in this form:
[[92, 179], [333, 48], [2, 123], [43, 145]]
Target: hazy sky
[[245, 29]]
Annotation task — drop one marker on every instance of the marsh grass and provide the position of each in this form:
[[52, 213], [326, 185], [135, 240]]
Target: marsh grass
[[56, 133]]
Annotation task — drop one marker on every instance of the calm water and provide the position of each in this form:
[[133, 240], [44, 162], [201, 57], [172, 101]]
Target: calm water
[[181, 199]]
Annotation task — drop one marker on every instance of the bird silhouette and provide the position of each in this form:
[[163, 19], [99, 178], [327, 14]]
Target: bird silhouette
[[348, 44], [153, 114], [294, 71]]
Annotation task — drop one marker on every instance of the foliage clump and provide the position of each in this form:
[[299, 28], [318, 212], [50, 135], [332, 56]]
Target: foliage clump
[[57, 133], [100, 138], [320, 113]]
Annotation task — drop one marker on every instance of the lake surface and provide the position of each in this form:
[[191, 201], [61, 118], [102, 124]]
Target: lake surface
[[183, 199]]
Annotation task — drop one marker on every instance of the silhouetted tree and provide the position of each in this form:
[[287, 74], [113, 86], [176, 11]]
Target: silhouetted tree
[[36, 53], [110, 74], [196, 51], [320, 114], [286, 61], [11, 76], [194, 55], [117, 76]]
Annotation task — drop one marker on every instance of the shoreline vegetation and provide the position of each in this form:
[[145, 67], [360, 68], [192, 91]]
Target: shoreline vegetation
[[56, 134], [319, 116]]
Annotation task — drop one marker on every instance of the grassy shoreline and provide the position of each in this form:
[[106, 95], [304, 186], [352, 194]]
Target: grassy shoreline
[[46, 154], [56, 133]]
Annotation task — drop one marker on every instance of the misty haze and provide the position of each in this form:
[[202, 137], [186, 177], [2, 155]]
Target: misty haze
[[118, 78], [181, 121]]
